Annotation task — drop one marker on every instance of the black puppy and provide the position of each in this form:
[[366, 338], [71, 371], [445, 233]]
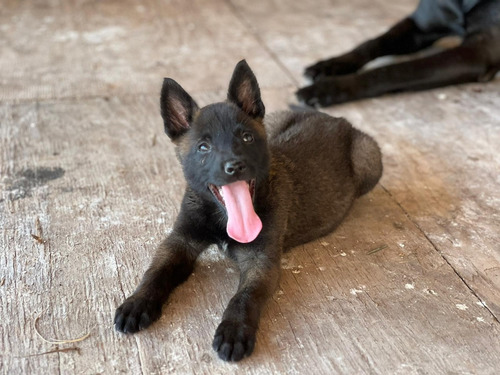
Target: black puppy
[[337, 80], [253, 195]]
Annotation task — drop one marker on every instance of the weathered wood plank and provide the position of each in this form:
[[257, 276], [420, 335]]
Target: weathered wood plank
[[401, 309], [298, 33], [440, 147], [103, 182], [442, 167], [87, 48]]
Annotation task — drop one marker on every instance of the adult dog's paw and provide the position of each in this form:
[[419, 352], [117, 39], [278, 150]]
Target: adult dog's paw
[[136, 313], [327, 92], [234, 341], [316, 94], [331, 67]]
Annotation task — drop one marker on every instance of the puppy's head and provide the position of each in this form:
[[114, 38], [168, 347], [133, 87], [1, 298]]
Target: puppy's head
[[222, 147]]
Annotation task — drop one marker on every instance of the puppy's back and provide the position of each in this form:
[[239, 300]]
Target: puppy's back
[[326, 146], [329, 162]]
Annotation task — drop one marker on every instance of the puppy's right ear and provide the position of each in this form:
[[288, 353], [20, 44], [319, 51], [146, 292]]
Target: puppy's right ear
[[177, 108]]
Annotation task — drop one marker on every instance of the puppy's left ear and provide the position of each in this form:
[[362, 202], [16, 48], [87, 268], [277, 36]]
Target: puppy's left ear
[[244, 91]]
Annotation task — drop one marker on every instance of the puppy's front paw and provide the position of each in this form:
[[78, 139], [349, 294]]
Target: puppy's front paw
[[234, 341], [136, 313]]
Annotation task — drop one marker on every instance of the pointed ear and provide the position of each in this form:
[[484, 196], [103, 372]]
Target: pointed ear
[[244, 91], [177, 108]]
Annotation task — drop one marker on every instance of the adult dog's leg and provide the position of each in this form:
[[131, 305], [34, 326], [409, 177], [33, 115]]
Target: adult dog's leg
[[403, 38], [476, 59]]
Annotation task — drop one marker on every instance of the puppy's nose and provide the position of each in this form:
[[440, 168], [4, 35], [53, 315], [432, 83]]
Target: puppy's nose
[[234, 166]]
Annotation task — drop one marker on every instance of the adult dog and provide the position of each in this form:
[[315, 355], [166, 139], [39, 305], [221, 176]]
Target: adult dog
[[477, 58]]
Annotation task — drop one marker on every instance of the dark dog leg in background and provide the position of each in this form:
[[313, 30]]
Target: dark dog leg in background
[[403, 38], [471, 62], [172, 264], [259, 273]]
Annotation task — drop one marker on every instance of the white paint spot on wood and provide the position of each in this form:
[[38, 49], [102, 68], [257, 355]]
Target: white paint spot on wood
[[481, 303], [103, 35], [355, 291], [342, 254], [480, 319], [410, 286], [430, 291], [461, 306], [299, 342], [67, 36], [110, 220]]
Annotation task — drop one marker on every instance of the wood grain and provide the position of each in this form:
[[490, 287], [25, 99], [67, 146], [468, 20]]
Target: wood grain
[[442, 169], [87, 48], [408, 284]]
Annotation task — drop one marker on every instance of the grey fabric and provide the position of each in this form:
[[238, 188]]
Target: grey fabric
[[443, 16]]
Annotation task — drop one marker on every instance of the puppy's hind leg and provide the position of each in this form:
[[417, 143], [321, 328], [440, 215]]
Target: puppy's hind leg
[[366, 160]]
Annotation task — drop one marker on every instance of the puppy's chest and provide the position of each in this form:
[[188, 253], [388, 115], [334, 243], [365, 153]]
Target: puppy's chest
[[215, 224]]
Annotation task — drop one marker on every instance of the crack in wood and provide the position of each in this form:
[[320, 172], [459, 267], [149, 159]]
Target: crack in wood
[[441, 254]]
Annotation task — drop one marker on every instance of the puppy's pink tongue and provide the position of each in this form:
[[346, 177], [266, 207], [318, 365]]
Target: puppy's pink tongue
[[243, 224]]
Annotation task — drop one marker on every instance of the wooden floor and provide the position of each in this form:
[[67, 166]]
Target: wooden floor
[[409, 284]]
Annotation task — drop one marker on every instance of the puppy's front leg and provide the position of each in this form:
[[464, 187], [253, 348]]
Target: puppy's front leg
[[259, 273], [171, 265]]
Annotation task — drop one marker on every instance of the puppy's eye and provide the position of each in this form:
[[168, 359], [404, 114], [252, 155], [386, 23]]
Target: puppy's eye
[[247, 137], [204, 147]]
